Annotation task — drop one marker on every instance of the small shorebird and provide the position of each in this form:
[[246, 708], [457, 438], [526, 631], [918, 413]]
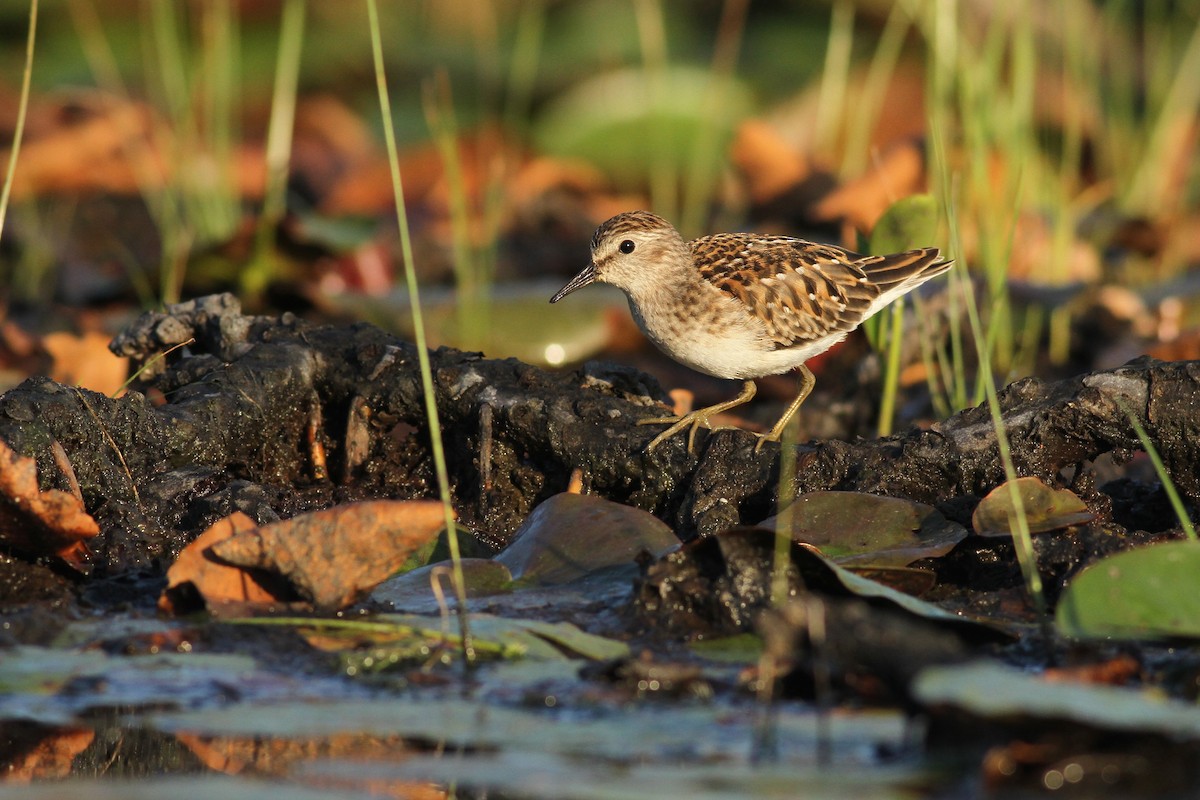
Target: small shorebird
[[743, 305]]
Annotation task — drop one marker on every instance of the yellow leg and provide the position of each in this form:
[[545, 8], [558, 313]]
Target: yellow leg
[[807, 382], [697, 418]]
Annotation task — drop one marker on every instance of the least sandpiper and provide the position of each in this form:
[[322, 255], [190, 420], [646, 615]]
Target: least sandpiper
[[743, 305]]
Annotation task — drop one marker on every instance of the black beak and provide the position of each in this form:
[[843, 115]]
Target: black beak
[[587, 276]]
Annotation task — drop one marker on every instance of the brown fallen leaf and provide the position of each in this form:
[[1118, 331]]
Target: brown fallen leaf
[[40, 523], [92, 148], [899, 172], [281, 757], [197, 575], [332, 557], [53, 757], [85, 360], [769, 164], [1119, 670], [1046, 509]]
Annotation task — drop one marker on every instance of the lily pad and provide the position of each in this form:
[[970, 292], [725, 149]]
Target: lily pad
[[856, 528], [482, 577], [741, 648], [993, 691], [194, 787], [1046, 509], [570, 535], [53, 686], [518, 323], [1145, 593], [537, 639], [630, 122], [637, 734]]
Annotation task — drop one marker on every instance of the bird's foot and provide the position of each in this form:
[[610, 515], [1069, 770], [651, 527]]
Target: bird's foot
[[763, 438], [694, 419]]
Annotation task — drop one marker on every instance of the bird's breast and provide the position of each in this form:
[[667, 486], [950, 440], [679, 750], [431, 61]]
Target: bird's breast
[[713, 335]]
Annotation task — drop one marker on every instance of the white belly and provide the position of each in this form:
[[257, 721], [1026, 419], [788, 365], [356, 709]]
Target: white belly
[[726, 342]]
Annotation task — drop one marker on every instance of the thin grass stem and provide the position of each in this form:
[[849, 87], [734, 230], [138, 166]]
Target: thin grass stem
[[22, 107], [410, 276], [260, 270], [1160, 469]]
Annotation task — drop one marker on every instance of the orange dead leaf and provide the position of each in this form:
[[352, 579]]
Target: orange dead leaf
[[281, 757], [540, 176], [770, 164], [37, 522], [862, 201], [1117, 671], [86, 361], [216, 582], [51, 758], [91, 149], [332, 557]]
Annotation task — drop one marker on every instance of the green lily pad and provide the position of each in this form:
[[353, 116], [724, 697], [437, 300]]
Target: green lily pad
[[1046, 509], [519, 325], [860, 529], [1145, 593], [630, 123]]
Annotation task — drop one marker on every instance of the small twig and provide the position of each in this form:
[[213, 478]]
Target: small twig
[[316, 448], [64, 466], [137, 498], [149, 362]]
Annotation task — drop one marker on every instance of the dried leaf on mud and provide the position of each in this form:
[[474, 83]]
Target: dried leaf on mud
[[36, 522], [85, 360], [332, 557], [1046, 509], [198, 571]]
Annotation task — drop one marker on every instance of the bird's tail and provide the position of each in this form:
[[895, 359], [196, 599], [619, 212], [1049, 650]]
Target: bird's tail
[[899, 273]]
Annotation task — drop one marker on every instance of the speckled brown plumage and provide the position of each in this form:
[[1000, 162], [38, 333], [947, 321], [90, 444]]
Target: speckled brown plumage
[[744, 305]]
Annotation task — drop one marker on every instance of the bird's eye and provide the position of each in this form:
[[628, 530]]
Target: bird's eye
[[627, 246]]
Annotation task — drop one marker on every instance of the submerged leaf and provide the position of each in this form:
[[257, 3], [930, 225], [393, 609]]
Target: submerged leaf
[[1046, 509], [534, 638], [1146, 593]]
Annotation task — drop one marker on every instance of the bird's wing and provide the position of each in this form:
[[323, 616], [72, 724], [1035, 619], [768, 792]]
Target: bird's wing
[[800, 290]]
